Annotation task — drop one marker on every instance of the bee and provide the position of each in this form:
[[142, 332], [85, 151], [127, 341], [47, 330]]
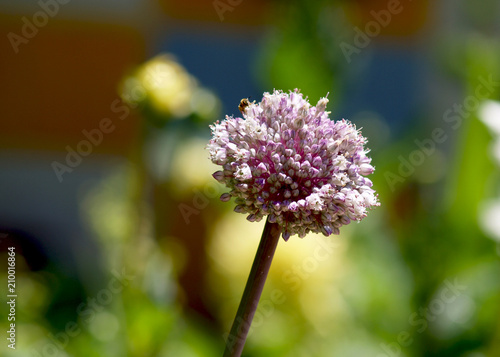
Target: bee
[[244, 103]]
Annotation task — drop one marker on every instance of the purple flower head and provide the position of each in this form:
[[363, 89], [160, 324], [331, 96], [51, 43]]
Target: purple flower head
[[287, 160]]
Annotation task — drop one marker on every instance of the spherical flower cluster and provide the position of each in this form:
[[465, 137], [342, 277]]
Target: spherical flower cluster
[[288, 160]]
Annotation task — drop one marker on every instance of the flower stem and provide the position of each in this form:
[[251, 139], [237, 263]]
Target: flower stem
[[253, 290]]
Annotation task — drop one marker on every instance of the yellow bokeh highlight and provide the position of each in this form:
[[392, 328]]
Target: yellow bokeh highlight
[[304, 274]]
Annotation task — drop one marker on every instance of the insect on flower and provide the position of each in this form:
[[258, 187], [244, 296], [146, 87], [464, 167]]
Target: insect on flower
[[244, 103]]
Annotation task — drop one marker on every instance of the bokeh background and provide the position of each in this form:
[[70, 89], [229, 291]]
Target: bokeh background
[[122, 246]]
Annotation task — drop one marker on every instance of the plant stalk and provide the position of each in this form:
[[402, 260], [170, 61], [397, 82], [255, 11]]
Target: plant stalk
[[251, 295]]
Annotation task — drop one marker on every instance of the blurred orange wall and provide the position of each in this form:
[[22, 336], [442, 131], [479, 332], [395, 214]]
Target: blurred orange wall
[[64, 80]]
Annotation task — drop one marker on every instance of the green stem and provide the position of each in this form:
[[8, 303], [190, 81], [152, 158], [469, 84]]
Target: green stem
[[253, 290]]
